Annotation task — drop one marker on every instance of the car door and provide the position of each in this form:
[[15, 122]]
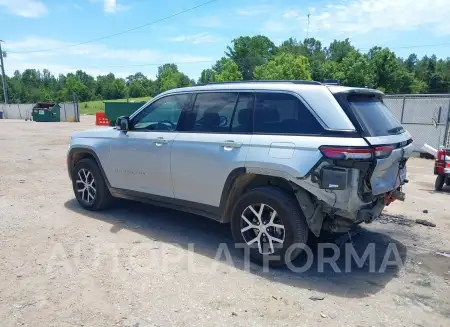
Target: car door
[[214, 140], [140, 157]]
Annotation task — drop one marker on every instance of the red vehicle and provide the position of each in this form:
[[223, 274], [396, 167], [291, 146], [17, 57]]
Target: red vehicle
[[442, 169]]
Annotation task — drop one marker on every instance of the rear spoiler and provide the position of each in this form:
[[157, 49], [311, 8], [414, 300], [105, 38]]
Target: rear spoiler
[[354, 90]]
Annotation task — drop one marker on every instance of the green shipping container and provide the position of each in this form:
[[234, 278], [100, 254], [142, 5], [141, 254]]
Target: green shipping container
[[46, 112], [113, 110]]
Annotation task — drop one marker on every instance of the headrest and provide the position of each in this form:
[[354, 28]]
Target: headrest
[[267, 113], [211, 118], [245, 116]]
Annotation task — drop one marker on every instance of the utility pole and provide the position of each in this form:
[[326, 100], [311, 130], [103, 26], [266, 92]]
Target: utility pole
[[5, 91]]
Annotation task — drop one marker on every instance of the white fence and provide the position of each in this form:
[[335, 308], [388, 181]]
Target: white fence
[[23, 111]]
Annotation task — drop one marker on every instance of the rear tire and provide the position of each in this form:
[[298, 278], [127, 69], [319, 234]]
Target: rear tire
[[89, 186], [287, 224], [439, 184]]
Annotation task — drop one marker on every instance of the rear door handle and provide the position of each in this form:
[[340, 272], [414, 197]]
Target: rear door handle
[[160, 141], [231, 144]]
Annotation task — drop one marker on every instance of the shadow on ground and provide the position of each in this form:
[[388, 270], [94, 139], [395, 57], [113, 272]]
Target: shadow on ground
[[429, 187], [181, 229]]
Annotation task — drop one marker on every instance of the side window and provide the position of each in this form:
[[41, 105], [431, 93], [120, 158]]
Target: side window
[[278, 113], [212, 113], [243, 116], [161, 115]]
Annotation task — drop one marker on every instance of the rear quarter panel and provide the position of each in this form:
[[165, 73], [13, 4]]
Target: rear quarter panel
[[290, 156]]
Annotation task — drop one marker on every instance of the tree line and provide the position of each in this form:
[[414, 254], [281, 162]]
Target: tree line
[[250, 58]]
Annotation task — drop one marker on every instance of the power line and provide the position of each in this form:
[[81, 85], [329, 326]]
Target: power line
[[413, 46], [120, 33]]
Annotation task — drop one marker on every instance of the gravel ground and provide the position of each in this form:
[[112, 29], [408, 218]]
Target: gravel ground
[[138, 265]]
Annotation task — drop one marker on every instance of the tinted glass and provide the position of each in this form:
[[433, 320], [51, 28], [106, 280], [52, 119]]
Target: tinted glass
[[277, 113], [243, 116], [161, 115], [375, 118], [212, 113]]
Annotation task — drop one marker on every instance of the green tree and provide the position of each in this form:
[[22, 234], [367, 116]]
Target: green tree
[[136, 89], [207, 76], [338, 50], [354, 70], [230, 72], [388, 73], [249, 52], [284, 66]]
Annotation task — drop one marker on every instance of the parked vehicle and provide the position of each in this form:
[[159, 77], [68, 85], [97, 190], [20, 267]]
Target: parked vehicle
[[442, 169], [275, 159]]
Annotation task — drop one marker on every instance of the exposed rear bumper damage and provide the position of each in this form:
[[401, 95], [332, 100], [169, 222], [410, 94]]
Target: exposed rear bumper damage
[[350, 196]]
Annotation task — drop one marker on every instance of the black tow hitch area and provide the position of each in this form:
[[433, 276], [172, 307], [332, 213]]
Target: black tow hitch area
[[334, 178]]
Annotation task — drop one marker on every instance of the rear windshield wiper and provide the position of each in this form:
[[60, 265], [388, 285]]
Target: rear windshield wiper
[[395, 130]]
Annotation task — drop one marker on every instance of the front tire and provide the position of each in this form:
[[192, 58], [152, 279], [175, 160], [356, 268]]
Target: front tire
[[439, 184], [267, 222], [89, 186]]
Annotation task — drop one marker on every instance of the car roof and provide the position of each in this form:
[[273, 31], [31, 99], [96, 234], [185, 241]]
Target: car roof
[[295, 85]]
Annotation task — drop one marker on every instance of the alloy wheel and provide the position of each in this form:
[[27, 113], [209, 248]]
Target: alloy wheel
[[262, 226], [85, 185]]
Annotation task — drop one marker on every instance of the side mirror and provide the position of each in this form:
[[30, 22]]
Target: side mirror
[[123, 123]]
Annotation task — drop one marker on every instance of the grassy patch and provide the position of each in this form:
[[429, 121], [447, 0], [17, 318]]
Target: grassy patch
[[91, 107]]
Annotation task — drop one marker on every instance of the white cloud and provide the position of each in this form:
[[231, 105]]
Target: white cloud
[[365, 16], [25, 8], [199, 38], [291, 13], [111, 7], [100, 58]]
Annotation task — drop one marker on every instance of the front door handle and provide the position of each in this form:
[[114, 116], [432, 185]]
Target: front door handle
[[160, 141], [231, 144]]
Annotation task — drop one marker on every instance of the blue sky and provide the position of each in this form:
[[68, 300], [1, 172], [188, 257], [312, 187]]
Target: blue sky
[[196, 39]]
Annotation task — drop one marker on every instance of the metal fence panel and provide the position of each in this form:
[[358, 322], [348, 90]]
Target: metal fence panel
[[428, 134], [424, 116], [396, 105], [425, 109]]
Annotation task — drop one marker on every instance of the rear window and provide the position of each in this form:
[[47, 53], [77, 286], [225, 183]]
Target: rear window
[[375, 118]]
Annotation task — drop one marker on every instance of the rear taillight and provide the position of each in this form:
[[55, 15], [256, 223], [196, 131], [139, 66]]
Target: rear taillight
[[441, 155], [383, 151], [338, 153], [355, 153]]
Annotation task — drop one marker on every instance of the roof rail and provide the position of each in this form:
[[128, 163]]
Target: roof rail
[[264, 81]]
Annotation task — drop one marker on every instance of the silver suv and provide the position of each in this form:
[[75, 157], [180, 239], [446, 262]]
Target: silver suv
[[277, 160]]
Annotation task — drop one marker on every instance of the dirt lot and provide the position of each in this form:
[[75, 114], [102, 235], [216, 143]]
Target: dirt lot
[[137, 265]]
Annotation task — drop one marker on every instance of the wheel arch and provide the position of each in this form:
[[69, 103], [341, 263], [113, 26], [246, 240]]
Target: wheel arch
[[240, 181], [79, 153]]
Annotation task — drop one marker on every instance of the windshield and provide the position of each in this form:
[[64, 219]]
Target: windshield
[[375, 118]]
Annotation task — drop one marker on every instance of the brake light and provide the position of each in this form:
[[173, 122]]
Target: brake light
[[441, 155], [383, 151], [338, 153], [351, 153]]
